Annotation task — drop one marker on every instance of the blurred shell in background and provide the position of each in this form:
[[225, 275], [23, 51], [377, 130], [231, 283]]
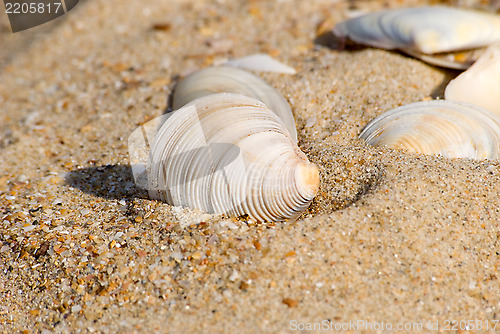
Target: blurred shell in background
[[436, 34]]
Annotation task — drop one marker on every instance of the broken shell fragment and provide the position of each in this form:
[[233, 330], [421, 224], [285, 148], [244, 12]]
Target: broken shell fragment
[[480, 84], [448, 128], [224, 79], [262, 63], [430, 33], [230, 154]]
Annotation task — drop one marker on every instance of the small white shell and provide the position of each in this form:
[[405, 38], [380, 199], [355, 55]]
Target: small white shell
[[480, 84], [224, 79], [230, 154], [424, 30], [262, 63], [448, 128]]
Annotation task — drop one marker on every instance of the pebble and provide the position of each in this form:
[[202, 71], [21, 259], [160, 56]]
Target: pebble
[[310, 122], [491, 168], [22, 178], [234, 276], [28, 228], [76, 308], [229, 224], [57, 201], [290, 302]]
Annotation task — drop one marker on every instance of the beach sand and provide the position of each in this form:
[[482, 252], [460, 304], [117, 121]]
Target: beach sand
[[392, 239]]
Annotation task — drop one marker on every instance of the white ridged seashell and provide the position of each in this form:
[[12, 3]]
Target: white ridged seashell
[[229, 154], [224, 79], [480, 84], [424, 31], [448, 128]]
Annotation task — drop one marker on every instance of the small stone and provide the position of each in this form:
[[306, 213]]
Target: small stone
[[21, 216], [196, 255], [176, 209], [310, 122], [66, 253], [290, 302], [253, 275], [234, 276], [161, 82], [55, 180], [229, 224], [28, 227], [244, 285], [86, 128], [57, 201], [22, 178], [163, 26], [491, 168], [204, 217], [64, 212], [177, 256], [76, 308], [80, 289]]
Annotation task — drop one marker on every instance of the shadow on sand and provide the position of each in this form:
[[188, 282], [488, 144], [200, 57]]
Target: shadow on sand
[[107, 181]]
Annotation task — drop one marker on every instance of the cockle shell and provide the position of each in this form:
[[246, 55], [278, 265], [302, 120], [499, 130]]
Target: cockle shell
[[424, 31], [448, 128], [230, 154], [480, 84], [225, 79]]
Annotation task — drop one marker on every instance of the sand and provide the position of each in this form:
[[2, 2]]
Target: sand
[[392, 241]]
